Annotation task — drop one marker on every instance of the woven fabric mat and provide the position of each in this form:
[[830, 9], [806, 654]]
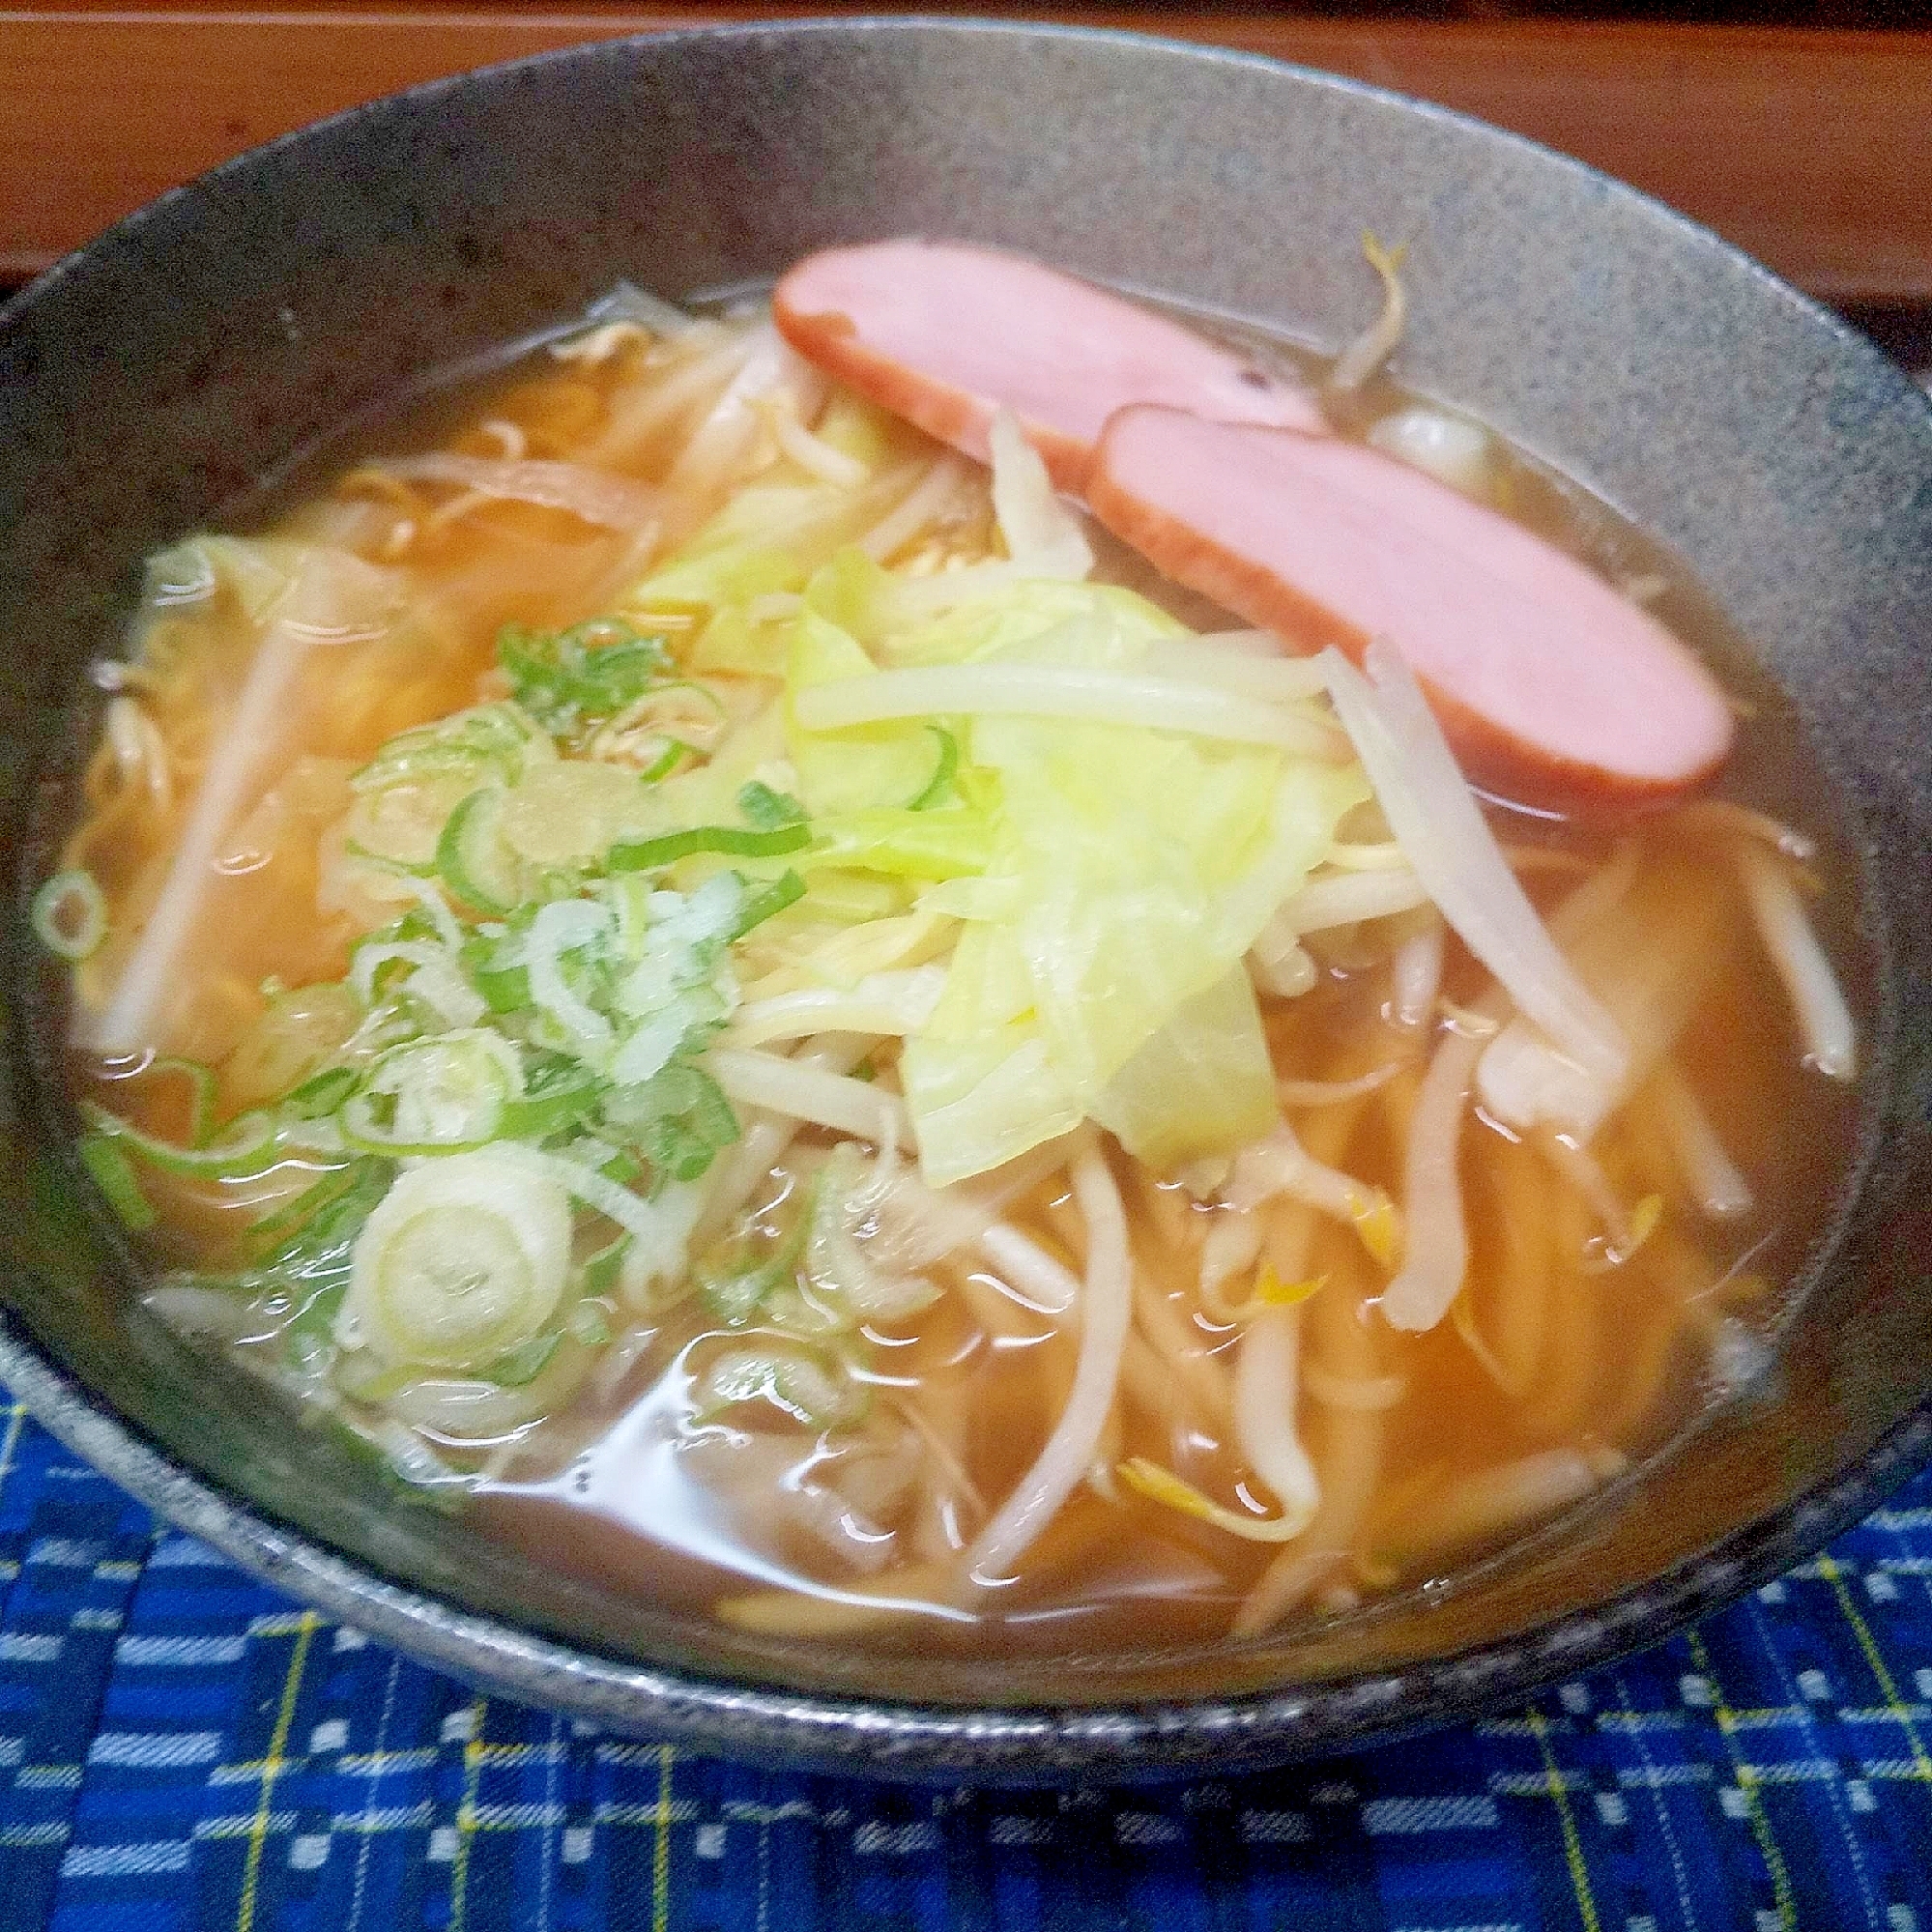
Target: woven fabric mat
[[182, 1748]]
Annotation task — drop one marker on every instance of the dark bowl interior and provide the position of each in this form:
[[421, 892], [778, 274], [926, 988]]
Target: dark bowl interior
[[186, 357]]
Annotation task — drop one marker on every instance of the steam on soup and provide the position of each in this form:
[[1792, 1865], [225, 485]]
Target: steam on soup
[[775, 1009]]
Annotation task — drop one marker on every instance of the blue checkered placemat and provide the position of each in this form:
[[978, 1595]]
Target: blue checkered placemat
[[182, 1748]]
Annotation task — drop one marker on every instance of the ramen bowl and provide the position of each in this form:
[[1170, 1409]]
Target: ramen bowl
[[188, 357]]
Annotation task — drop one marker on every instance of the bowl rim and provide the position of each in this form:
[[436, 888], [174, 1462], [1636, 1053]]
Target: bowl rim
[[858, 25], [898, 1739], [1124, 1741]]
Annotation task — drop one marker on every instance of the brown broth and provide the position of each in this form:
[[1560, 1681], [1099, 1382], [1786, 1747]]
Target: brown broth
[[622, 1487]]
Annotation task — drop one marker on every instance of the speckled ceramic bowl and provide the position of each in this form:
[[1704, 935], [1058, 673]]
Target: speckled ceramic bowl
[[162, 371]]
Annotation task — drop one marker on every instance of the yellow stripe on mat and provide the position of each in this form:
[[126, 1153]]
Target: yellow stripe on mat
[[660, 1858], [465, 1815], [1572, 1842], [1748, 1783], [272, 1768], [1827, 1569]]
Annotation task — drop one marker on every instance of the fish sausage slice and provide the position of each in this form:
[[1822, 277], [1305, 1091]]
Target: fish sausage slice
[[1553, 688], [945, 335]]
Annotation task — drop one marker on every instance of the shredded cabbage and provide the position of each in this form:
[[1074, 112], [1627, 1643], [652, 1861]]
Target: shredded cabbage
[[1138, 868], [767, 540], [1120, 872], [985, 611], [860, 768]]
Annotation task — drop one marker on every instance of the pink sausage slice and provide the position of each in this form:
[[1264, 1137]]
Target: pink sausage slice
[[943, 334], [1553, 688]]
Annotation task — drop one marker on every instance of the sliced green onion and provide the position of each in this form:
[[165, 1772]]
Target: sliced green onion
[[562, 926], [366, 1377], [506, 990], [115, 1179], [322, 1093], [557, 1096], [622, 1168], [435, 910], [519, 1367], [732, 841], [321, 1137], [629, 897], [70, 915], [442, 1095], [836, 1264], [589, 671], [437, 979], [735, 1293], [588, 1324], [246, 1148], [315, 1261], [696, 923], [201, 1094], [487, 740], [679, 1120], [475, 863], [601, 1274], [365, 967], [765, 899], [767, 810], [497, 968], [295, 1219], [407, 794], [675, 753], [942, 781], [644, 1219], [738, 1275], [464, 1260], [651, 1047]]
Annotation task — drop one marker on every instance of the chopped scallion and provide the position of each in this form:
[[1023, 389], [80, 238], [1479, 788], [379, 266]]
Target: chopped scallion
[[115, 1179], [523, 1364], [767, 810], [70, 915], [940, 784], [767, 898], [732, 841]]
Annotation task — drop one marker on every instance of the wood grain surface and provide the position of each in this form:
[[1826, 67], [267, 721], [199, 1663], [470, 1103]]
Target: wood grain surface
[[1811, 149]]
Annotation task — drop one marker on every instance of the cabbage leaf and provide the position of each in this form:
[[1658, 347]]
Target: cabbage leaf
[[1126, 873]]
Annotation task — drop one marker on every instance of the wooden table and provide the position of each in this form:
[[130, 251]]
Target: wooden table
[[1812, 149]]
